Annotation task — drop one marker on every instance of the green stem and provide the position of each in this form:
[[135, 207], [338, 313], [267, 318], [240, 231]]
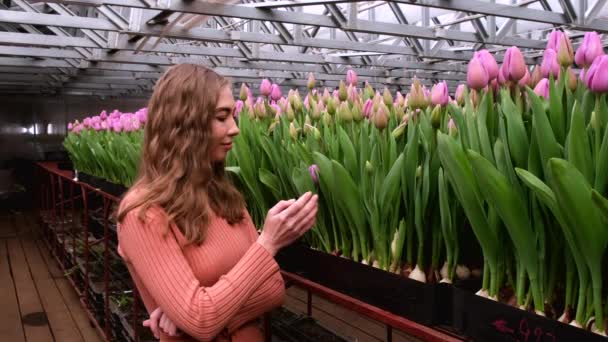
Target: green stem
[[486, 276], [569, 279], [597, 297], [521, 283], [583, 283]]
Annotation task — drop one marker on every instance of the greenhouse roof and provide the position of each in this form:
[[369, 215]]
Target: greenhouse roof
[[120, 47]]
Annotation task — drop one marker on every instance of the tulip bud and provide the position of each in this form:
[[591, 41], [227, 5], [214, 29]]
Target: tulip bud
[[553, 40], [316, 114], [331, 106], [312, 104], [293, 131], [459, 94], [357, 111], [351, 78], [416, 96], [342, 92], [272, 127], [369, 91], [367, 108], [398, 131], [388, 98], [290, 113], [352, 93], [596, 77], [327, 120], [380, 118], [344, 113], [488, 62], [316, 133], [572, 80], [406, 118], [542, 88], [452, 130], [297, 103], [525, 80], [369, 168], [399, 113], [307, 125], [400, 102], [565, 54], [260, 110], [588, 50], [314, 173], [436, 117], [535, 77], [265, 87], [250, 110], [477, 75], [550, 65], [439, 94], [311, 81], [326, 96], [243, 95], [514, 66]]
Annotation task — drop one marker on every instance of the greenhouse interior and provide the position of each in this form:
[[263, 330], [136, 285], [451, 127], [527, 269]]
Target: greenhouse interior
[[303, 170]]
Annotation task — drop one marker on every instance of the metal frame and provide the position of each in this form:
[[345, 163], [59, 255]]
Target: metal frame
[[60, 45]]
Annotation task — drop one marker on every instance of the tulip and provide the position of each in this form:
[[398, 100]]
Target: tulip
[[326, 96], [400, 101], [525, 80], [367, 108], [542, 88], [488, 62], [135, 124], [351, 78], [344, 112], [311, 81], [459, 94], [327, 120], [387, 97], [307, 125], [105, 126], [238, 107], [452, 130], [342, 92], [554, 38], [70, 126], [314, 173], [416, 96], [380, 118], [331, 106], [565, 54], [357, 111], [243, 94], [276, 110], [293, 131], [265, 87], [259, 110], [550, 65], [117, 126], [588, 50], [275, 92], [352, 93], [290, 113], [572, 80], [86, 122], [104, 115], [536, 76], [436, 117], [477, 75], [439, 94], [501, 76], [514, 66], [596, 77], [369, 91]]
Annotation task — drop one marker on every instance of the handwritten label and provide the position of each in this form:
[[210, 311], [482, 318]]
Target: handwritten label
[[523, 331]]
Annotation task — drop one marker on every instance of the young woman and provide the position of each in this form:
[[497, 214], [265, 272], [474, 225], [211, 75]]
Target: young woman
[[184, 232]]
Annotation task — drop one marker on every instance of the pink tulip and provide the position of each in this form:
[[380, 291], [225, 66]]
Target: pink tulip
[[367, 108], [238, 107], [105, 126], [514, 66], [275, 92], [439, 94], [597, 76], [550, 65], [265, 87], [588, 50], [103, 115], [452, 131], [525, 80], [351, 78], [488, 62], [314, 173], [565, 54], [459, 94], [117, 126], [86, 122], [70, 126], [542, 88], [501, 76], [553, 40], [135, 124], [477, 75]]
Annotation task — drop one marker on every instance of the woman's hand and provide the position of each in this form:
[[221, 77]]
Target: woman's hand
[[287, 221], [159, 321]]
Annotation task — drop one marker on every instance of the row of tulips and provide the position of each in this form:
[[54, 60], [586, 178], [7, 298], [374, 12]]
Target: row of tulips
[[519, 158]]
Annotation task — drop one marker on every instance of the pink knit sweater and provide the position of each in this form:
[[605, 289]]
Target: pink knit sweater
[[211, 292]]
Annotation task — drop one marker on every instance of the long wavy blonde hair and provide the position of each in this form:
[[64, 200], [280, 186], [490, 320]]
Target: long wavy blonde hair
[[175, 171]]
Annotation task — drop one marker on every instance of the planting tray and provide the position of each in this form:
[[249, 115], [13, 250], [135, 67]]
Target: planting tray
[[482, 319], [102, 184], [399, 295]]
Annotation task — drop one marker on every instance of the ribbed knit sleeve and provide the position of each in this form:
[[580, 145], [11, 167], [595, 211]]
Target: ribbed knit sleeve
[[201, 312]]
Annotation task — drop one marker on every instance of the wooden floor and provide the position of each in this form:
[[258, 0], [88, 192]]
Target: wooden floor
[[37, 303]]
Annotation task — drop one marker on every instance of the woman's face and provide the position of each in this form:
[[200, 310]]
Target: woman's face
[[223, 127]]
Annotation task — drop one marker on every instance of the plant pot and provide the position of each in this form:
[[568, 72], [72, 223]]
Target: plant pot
[[394, 293], [482, 319]]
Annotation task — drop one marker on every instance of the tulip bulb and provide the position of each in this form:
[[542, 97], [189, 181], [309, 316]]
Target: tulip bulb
[[418, 274], [462, 272]]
